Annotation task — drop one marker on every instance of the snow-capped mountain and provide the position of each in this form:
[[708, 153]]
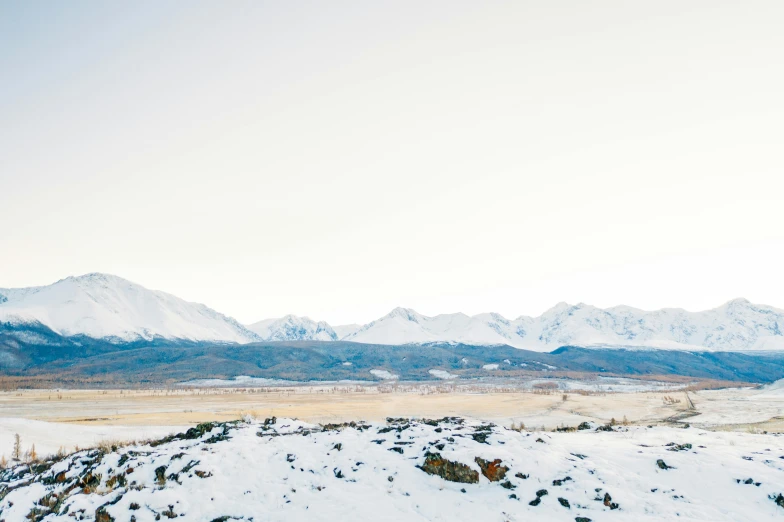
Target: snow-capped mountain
[[293, 328], [736, 325], [108, 307]]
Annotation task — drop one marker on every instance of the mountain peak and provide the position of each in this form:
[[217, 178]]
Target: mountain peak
[[293, 328], [405, 313], [105, 306]]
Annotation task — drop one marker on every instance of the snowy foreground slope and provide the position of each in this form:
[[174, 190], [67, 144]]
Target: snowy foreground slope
[[104, 306], [448, 469]]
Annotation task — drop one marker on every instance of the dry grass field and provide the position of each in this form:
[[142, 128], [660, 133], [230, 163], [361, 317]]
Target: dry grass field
[[81, 417], [332, 404]]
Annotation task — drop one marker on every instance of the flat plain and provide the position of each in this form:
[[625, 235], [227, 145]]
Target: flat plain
[[54, 418]]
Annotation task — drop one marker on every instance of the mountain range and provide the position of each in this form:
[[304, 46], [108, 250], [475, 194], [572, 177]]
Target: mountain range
[[108, 307]]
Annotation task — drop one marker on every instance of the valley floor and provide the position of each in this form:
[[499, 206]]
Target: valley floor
[[69, 418]]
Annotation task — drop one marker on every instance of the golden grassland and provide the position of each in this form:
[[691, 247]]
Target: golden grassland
[[341, 403]]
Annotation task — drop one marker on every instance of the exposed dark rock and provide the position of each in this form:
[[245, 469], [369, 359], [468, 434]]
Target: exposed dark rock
[[102, 516], [582, 519], [606, 427], [663, 465], [541, 493], [564, 503], [448, 470], [394, 428], [341, 425], [189, 466], [397, 449], [779, 500], [338, 446], [584, 426], [494, 471], [480, 437], [192, 433], [560, 482], [436, 422], [508, 485], [678, 447], [521, 476], [160, 475], [608, 502]]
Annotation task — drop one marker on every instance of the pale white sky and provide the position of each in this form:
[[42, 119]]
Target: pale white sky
[[338, 159]]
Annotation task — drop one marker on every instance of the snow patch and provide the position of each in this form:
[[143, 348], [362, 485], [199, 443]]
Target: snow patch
[[441, 374], [383, 374]]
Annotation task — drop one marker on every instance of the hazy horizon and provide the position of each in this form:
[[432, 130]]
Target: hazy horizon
[[336, 161]]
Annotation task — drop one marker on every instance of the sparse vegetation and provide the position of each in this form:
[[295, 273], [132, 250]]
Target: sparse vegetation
[[517, 427], [17, 452]]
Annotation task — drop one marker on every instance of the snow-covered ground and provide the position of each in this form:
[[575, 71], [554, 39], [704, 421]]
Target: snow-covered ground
[[49, 437], [240, 381], [384, 374], [442, 374], [406, 470]]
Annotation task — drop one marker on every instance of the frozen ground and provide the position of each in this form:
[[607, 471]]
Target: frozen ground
[[406, 470], [48, 437]]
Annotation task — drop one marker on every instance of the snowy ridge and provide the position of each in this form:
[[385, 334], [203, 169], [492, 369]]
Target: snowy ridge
[[293, 328], [108, 307], [737, 325], [406, 469]]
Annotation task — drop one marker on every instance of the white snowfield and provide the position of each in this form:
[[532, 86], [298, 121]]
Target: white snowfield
[[108, 307], [286, 470]]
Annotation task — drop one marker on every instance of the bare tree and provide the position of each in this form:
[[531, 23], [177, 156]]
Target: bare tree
[[17, 453]]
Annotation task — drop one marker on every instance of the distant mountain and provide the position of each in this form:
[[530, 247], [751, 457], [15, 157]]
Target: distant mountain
[[108, 307], [737, 325], [344, 330], [293, 328]]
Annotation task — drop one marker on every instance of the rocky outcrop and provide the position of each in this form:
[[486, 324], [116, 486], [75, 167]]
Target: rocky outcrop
[[493, 471], [449, 470]]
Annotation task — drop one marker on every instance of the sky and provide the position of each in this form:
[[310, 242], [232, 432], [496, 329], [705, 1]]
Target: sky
[[338, 159]]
